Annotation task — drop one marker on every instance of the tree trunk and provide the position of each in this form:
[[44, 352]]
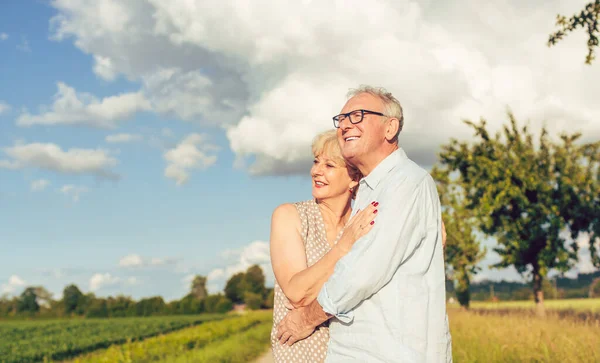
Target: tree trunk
[[538, 293]]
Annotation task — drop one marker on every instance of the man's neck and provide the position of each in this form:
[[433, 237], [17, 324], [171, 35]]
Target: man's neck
[[370, 161]]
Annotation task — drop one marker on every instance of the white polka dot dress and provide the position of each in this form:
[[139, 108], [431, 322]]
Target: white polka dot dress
[[313, 348]]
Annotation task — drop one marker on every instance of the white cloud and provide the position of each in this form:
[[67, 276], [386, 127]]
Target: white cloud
[[121, 138], [99, 280], [50, 156], [39, 185], [255, 253], [191, 153], [131, 261], [135, 260], [273, 79], [24, 45], [72, 108], [3, 36], [14, 283], [4, 107], [73, 191]]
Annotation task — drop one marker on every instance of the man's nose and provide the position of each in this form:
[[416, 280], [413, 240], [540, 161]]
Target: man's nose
[[345, 123]]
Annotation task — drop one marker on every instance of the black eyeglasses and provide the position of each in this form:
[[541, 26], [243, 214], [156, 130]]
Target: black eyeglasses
[[355, 116]]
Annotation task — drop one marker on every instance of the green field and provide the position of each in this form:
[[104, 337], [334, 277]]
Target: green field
[[236, 339], [583, 305], [33, 341]]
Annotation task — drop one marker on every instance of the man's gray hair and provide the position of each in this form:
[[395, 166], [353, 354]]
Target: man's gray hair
[[390, 103]]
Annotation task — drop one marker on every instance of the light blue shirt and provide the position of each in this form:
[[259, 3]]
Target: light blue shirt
[[388, 293]]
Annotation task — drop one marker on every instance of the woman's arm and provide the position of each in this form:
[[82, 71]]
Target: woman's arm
[[301, 284]]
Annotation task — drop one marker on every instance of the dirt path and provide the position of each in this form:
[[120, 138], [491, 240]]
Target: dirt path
[[266, 358]]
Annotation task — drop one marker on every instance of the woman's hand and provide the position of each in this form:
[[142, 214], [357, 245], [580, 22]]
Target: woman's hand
[[359, 225]]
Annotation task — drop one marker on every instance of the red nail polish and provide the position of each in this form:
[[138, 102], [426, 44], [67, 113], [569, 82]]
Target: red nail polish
[[372, 222], [373, 202], [375, 211], [376, 204]]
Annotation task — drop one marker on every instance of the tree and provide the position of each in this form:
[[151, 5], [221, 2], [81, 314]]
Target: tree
[[463, 251], [73, 299], [588, 18], [44, 297], [527, 196], [98, 308], [27, 302], [199, 287], [254, 280], [252, 300], [234, 288]]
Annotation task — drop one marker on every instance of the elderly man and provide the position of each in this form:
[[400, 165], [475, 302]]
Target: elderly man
[[387, 296]]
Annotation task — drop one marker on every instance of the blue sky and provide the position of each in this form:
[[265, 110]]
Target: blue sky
[[143, 142]]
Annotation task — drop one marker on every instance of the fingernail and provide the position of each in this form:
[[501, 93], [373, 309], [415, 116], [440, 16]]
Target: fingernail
[[375, 211], [376, 204], [372, 222], [373, 202]]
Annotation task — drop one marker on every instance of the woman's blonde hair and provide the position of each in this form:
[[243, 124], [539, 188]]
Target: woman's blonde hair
[[327, 143]]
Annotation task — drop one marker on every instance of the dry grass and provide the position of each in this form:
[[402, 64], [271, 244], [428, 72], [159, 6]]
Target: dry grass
[[521, 338]]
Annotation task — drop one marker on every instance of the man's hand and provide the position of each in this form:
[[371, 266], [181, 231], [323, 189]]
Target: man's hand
[[294, 327]]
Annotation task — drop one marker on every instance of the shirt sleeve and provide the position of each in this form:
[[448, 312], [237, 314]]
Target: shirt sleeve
[[371, 263]]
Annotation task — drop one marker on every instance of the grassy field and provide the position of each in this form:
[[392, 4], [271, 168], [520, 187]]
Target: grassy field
[[33, 341], [584, 305], [236, 339], [490, 332], [517, 338]]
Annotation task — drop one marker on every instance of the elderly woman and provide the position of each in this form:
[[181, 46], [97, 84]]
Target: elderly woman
[[309, 237]]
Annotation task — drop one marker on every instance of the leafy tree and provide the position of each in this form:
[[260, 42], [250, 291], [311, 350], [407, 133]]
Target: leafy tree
[[270, 299], [27, 302], [199, 287], [463, 250], [595, 288], [44, 297], [120, 306], [234, 288], [98, 308], [150, 306], [73, 299], [217, 304], [588, 18], [255, 280], [252, 300], [526, 195]]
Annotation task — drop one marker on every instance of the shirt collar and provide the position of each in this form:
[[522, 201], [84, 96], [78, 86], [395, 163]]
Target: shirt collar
[[383, 168]]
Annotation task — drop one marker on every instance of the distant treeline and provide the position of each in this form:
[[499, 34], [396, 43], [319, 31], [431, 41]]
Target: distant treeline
[[583, 286], [243, 288]]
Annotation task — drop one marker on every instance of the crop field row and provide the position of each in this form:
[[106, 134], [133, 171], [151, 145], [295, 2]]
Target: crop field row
[[33, 341], [236, 339]]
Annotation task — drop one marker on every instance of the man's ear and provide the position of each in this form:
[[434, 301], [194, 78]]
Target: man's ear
[[391, 130]]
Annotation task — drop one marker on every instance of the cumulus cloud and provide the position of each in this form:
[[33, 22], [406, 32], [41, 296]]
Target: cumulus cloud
[[51, 157], [4, 107], [73, 191], [239, 260], [39, 185], [14, 282], [122, 138], [3, 36], [99, 280], [135, 260], [273, 74], [73, 108], [193, 152]]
